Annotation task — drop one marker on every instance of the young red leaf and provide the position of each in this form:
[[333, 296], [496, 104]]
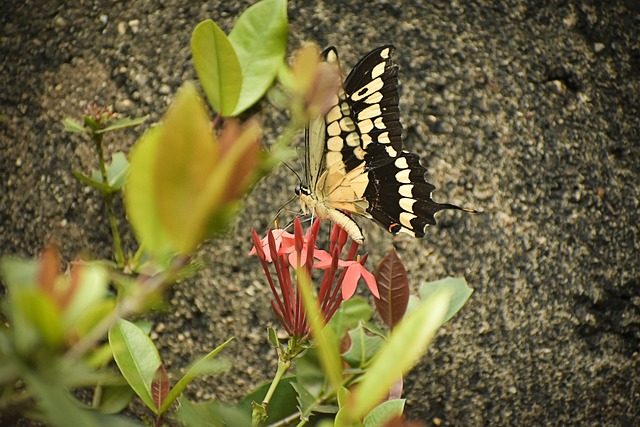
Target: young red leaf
[[393, 285], [160, 386]]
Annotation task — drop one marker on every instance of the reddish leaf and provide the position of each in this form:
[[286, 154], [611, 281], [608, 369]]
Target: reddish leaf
[[393, 285], [160, 386], [48, 271]]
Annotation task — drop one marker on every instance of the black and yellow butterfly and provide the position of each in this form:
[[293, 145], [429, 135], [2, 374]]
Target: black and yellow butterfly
[[355, 161]]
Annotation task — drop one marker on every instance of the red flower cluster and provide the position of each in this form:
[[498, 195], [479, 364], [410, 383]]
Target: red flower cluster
[[299, 250]]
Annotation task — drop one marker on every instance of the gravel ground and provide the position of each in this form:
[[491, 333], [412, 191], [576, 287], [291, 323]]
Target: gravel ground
[[527, 111]]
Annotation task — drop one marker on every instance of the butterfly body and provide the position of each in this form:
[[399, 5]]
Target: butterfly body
[[355, 161]]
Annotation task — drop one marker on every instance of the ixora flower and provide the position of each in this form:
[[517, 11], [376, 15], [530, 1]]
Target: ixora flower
[[298, 250]]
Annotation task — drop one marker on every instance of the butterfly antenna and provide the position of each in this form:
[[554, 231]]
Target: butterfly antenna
[[294, 172]]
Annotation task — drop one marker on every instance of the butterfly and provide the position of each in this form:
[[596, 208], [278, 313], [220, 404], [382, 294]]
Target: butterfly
[[355, 161]]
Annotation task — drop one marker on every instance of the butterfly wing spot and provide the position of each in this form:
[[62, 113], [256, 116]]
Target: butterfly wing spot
[[333, 129], [365, 126], [370, 112], [403, 176]]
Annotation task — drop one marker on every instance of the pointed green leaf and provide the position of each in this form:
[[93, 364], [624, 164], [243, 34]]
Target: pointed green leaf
[[200, 367], [405, 346], [217, 66], [122, 123], [71, 125], [136, 357], [259, 38], [460, 293], [325, 340]]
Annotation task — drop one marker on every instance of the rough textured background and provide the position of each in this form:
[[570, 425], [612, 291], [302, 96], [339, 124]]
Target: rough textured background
[[528, 111]]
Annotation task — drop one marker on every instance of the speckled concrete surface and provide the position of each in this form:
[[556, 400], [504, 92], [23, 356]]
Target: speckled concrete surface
[[528, 111]]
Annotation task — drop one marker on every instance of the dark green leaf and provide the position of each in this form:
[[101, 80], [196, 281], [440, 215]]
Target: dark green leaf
[[363, 347]]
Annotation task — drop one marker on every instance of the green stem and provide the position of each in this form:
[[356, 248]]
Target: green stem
[[108, 199], [259, 413]]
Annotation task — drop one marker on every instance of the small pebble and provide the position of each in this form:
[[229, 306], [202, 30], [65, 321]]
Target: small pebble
[[134, 24]]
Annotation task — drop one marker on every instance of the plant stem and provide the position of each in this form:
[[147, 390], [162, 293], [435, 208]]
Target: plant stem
[[259, 413], [108, 200]]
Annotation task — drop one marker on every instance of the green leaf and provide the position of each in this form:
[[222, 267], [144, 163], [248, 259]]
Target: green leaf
[[405, 346], [309, 373], [349, 315], [213, 414], [18, 273], [460, 293], [122, 123], [92, 316], [59, 408], [91, 290], [363, 347], [309, 404], [217, 67], [200, 367], [71, 125], [116, 174], [38, 312], [141, 195], [115, 398], [382, 413], [259, 38], [136, 357], [326, 342]]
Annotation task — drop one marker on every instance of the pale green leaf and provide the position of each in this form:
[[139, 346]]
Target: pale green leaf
[[91, 289], [259, 38], [406, 344], [325, 340], [141, 195], [460, 293], [217, 67], [379, 416], [71, 125]]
